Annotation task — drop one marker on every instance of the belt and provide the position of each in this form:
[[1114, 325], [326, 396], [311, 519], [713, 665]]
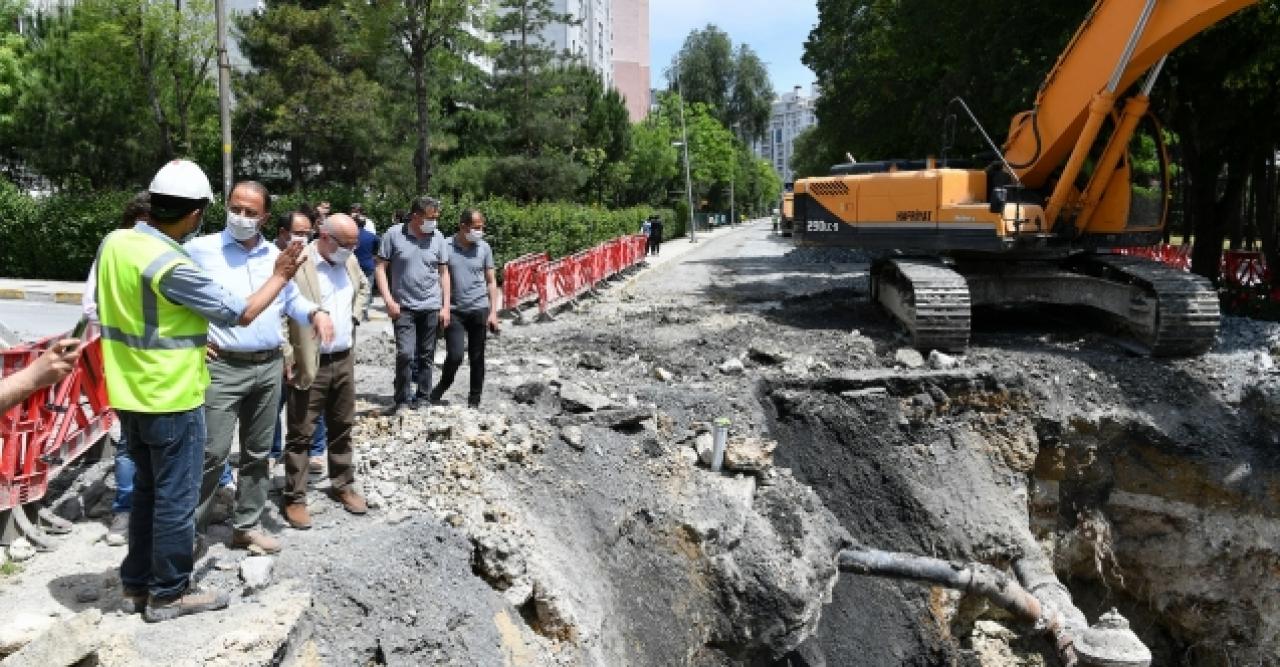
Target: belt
[[330, 357], [259, 357]]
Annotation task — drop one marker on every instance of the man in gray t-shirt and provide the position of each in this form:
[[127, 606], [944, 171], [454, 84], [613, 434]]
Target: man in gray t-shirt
[[475, 305], [412, 273]]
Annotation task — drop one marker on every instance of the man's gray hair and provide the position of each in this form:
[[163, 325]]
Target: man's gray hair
[[422, 204]]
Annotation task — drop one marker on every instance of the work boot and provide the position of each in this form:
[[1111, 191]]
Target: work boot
[[351, 501], [133, 600], [256, 541], [192, 601], [297, 515], [118, 533], [315, 467]]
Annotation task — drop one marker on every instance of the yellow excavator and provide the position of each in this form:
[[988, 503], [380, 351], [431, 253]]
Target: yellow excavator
[[1038, 224]]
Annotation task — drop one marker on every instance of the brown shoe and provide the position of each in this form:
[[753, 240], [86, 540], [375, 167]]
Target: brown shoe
[[191, 601], [297, 515], [133, 600], [351, 501], [256, 541]]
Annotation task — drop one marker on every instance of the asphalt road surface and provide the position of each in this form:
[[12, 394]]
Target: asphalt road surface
[[33, 319]]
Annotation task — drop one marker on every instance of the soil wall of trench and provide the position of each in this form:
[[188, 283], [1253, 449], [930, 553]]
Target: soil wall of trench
[[1150, 493]]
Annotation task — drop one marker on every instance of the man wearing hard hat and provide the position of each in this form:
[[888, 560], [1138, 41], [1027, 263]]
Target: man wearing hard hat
[[154, 306]]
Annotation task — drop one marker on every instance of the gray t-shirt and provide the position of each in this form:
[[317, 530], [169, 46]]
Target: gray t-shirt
[[415, 267], [466, 275]]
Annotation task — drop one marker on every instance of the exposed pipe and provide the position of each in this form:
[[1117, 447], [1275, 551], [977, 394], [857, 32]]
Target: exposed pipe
[[1002, 590]]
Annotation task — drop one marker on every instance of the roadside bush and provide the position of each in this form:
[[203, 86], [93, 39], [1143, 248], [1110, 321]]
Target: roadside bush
[[57, 237]]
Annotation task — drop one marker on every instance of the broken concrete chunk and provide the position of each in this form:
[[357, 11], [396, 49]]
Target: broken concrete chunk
[[19, 628], [704, 444], [733, 367], [662, 374], [766, 353], [908, 358], [939, 361], [576, 398], [20, 550], [592, 361], [749, 455], [255, 572], [64, 643], [572, 435], [868, 392]]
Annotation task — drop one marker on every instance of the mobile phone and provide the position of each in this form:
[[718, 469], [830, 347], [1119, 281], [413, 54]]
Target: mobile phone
[[78, 331]]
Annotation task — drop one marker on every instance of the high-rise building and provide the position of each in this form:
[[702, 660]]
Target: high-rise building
[[588, 37], [631, 55], [793, 112]]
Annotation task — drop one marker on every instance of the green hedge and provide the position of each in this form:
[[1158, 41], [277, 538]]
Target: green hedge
[[56, 237]]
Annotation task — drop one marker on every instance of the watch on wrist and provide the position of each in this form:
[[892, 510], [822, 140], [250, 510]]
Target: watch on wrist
[[317, 310]]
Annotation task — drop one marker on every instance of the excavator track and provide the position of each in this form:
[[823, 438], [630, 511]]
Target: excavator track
[[1187, 311], [926, 297]]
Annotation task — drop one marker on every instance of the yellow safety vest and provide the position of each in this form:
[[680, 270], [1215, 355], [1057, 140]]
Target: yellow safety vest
[[152, 349]]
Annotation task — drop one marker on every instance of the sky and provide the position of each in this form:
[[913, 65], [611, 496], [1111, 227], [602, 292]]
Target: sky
[[775, 29]]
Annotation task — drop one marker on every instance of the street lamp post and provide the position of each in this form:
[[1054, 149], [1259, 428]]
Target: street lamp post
[[224, 94], [688, 182]]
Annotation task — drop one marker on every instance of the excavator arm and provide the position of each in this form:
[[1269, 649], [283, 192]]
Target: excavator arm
[[1117, 43]]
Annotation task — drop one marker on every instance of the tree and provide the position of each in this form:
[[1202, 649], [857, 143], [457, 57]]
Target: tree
[[814, 152], [524, 54], [430, 31], [652, 162], [308, 97], [735, 84]]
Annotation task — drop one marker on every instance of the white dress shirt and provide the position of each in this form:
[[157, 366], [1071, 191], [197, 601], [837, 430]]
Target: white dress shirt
[[242, 272], [336, 294]]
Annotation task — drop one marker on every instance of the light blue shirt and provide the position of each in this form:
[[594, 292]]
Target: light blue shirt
[[241, 272]]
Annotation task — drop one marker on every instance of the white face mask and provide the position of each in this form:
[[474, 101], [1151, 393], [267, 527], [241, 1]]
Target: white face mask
[[300, 238], [242, 228], [429, 225], [475, 235], [340, 256]]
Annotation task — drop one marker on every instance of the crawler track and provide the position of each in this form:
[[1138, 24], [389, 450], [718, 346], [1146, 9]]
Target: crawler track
[[928, 298], [1187, 312]]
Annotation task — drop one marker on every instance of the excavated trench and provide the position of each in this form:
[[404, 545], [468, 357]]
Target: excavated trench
[[1168, 513]]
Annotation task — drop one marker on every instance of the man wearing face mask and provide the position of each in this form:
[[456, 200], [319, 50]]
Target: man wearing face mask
[[246, 365], [416, 292], [154, 305], [323, 383], [473, 304]]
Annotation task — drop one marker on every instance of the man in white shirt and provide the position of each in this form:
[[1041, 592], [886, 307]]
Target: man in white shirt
[[245, 363], [324, 382]]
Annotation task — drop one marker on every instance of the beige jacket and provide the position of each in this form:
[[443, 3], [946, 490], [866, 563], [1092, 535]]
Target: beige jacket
[[303, 350]]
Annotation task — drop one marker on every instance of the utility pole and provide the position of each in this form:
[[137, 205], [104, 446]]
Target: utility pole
[[688, 183], [731, 202], [224, 94]]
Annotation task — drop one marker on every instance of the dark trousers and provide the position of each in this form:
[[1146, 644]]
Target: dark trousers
[[466, 329], [655, 243], [415, 352], [167, 450], [332, 397]]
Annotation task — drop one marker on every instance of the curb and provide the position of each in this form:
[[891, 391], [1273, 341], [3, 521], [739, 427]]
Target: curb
[[62, 296]]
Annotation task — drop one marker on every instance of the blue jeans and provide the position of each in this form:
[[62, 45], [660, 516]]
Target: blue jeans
[[318, 440], [124, 476], [168, 452]]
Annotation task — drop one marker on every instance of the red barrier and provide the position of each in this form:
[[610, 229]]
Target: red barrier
[[569, 277], [53, 426], [519, 279], [1244, 268]]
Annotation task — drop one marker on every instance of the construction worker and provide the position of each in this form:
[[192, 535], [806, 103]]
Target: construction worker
[[154, 307]]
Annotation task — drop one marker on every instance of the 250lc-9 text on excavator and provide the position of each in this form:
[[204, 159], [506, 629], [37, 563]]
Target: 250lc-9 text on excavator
[[1037, 225]]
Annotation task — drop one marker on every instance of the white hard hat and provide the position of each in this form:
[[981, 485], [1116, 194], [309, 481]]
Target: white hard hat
[[182, 178]]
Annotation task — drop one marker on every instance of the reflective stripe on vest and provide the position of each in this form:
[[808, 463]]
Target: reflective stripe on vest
[[152, 349]]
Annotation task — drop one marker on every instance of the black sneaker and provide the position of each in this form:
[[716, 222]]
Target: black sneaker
[[133, 600]]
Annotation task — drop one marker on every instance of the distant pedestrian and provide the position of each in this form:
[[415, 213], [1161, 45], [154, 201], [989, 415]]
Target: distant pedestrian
[[655, 234], [245, 364], [135, 211], [365, 222], [646, 227], [412, 273], [366, 254], [474, 305], [323, 385]]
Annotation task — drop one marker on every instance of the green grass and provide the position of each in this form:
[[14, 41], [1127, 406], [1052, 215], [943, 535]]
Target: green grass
[[9, 569]]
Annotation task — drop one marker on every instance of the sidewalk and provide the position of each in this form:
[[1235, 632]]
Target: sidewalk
[[54, 291], [47, 291]]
